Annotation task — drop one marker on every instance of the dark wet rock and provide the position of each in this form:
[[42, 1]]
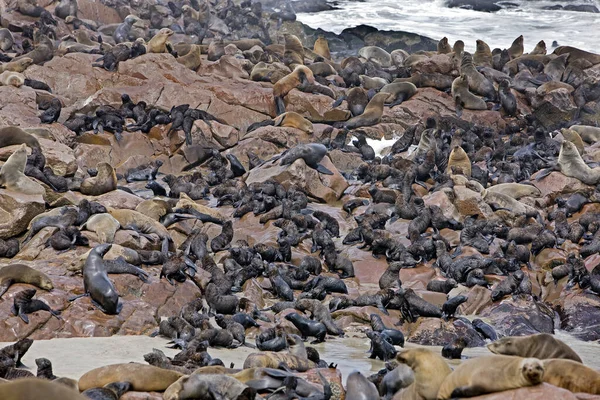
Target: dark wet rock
[[518, 317], [579, 315]]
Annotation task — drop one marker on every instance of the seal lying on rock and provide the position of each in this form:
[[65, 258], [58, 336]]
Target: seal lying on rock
[[542, 346], [311, 153]]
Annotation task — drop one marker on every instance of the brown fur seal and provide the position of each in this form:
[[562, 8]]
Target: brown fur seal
[[143, 378], [572, 165], [10, 78], [311, 153], [491, 374], [358, 387], [376, 54], [18, 65], [263, 72], [104, 225], [143, 224], [32, 388], [398, 92], [205, 386], [158, 44], [573, 137], [29, 7], [464, 98], [542, 346], [443, 47], [101, 290], [516, 48], [104, 182], [459, 162], [11, 135], [478, 83], [540, 48], [292, 119], [321, 48], [301, 75], [269, 359], [430, 370], [12, 174], [372, 114], [571, 375], [483, 55], [515, 190], [7, 40], [192, 59], [576, 54], [293, 53], [322, 69], [20, 273], [589, 134]]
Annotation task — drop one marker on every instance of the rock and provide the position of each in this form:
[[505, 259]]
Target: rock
[[327, 188], [227, 66], [332, 375], [59, 158], [141, 396], [544, 391], [557, 184], [315, 108], [18, 106], [579, 315], [520, 317], [468, 202], [96, 11], [16, 211], [118, 199], [436, 332], [554, 109], [345, 162], [438, 63], [441, 199]]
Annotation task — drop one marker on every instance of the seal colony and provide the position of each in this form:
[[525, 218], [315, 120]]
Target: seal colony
[[206, 172]]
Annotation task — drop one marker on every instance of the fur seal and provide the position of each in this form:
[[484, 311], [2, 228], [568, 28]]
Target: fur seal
[[483, 55], [12, 135], [31, 388], [111, 391], [573, 137], [192, 59], [443, 47], [395, 380], [515, 190], [491, 374], [571, 375], [6, 40], [158, 44], [429, 369], [478, 83], [104, 225], [10, 78], [269, 359], [371, 115], [540, 48], [516, 48], [12, 174], [464, 98], [308, 327], [24, 303], [205, 386], [507, 98], [66, 8], [293, 53], [101, 290], [300, 76], [376, 54], [143, 378], [572, 165], [398, 92], [320, 313], [311, 153], [360, 388], [104, 182], [20, 273], [288, 119], [542, 346], [459, 162], [130, 219], [576, 54], [590, 134], [17, 65], [321, 48]]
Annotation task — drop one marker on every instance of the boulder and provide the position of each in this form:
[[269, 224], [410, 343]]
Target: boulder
[[554, 109], [520, 317], [468, 202], [16, 211], [557, 184], [580, 315], [544, 391], [437, 332], [327, 188]]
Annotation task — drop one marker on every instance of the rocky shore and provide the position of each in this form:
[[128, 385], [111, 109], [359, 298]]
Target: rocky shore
[[214, 164]]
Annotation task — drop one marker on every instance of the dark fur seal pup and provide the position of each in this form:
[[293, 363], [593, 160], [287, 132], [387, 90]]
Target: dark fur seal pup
[[507, 99], [484, 329], [308, 327], [24, 304], [450, 306], [381, 346], [20, 273], [454, 350], [223, 241], [320, 313], [441, 286], [66, 218], [111, 391], [396, 336], [311, 153], [44, 369], [52, 113], [145, 172], [96, 284]]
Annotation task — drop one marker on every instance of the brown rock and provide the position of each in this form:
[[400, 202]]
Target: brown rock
[[468, 202], [323, 187], [343, 161], [517, 317], [59, 158], [438, 63], [437, 332], [332, 375], [141, 396], [16, 211], [580, 315], [554, 108], [98, 12], [556, 184], [18, 106], [227, 66], [440, 199]]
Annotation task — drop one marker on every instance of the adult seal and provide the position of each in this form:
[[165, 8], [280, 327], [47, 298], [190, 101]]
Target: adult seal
[[463, 98], [571, 375], [311, 153], [30, 388], [572, 165], [459, 162], [111, 391], [12, 174], [308, 327], [96, 284], [20, 273], [491, 374], [358, 387], [542, 346], [430, 370], [371, 115], [205, 386], [143, 378]]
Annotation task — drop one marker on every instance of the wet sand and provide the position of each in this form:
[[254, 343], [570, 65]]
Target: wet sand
[[73, 357]]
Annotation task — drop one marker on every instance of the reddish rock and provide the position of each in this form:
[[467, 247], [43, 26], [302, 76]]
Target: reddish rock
[[556, 184], [16, 211], [539, 392], [580, 314], [437, 332], [468, 202]]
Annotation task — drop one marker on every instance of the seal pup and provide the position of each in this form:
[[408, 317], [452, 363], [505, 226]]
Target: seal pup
[[105, 181], [96, 284], [12, 174], [311, 153], [321, 47], [110, 391], [542, 346], [507, 99], [491, 374], [370, 116], [21, 273], [66, 8], [24, 304], [308, 327], [158, 44], [6, 40]]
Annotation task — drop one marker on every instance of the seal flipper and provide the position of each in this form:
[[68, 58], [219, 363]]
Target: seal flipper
[[544, 173], [323, 170], [5, 285], [24, 317], [78, 296], [459, 108], [468, 391], [279, 105], [381, 307], [339, 101], [399, 100]]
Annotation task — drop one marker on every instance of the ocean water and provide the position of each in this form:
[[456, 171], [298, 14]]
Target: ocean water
[[432, 18]]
